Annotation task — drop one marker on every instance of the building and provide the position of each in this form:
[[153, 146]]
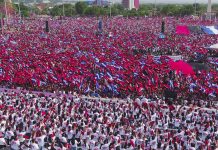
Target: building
[[130, 4], [101, 3]]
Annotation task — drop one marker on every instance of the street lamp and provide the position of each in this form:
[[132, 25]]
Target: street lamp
[[110, 8], [155, 7], [63, 8], [19, 8], [6, 12], [195, 7]]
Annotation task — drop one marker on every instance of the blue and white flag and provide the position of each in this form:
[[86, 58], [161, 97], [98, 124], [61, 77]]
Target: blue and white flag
[[157, 59], [210, 29], [1, 71]]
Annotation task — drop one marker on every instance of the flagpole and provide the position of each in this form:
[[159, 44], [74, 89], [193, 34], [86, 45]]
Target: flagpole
[[195, 7], [2, 28], [6, 12], [155, 7], [63, 8], [110, 8], [19, 8]]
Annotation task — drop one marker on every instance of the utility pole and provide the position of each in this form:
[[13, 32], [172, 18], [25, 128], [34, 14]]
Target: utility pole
[[110, 8], [6, 12], [195, 7], [19, 8], [63, 8], [155, 7], [209, 9]]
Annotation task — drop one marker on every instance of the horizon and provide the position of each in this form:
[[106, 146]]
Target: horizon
[[177, 1]]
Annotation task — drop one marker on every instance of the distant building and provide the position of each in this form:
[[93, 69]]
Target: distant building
[[101, 3], [130, 4]]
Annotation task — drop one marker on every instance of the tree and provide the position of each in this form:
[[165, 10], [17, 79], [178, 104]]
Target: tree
[[95, 11], [171, 10], [187, 10], [25, 11], [119, 7], [69, 10], [89, 11], [57, 10], [144, 10], [132, 12], [80, 7]]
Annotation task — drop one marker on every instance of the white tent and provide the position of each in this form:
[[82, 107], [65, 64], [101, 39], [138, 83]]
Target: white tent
[[215, 46]]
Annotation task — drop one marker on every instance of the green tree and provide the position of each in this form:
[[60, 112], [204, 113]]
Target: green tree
[[25, 11], [56, 10], [69, 10], [144, 10], [80, 7], [171, 10], [132, 12], [187, 10], [90, 11]]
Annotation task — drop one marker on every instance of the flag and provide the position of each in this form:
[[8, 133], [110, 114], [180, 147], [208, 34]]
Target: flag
[[1, 71], [100, 25], [97, 85], [111, 78], [157, 59]]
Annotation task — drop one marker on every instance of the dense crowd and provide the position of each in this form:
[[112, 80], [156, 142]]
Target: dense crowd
[[37, 122], [117, 61], [114, 63]]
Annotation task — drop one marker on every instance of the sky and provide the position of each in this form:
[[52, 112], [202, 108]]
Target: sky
[[177, 1]]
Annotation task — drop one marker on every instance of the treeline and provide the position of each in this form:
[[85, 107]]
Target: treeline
[[15, 9], [83, 9]]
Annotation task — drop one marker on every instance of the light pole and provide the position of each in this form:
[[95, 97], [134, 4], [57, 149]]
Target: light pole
[[63, 8], [209, 9], [110, 8], [6, 12], [195, 7], [19, 8], [155, 7]]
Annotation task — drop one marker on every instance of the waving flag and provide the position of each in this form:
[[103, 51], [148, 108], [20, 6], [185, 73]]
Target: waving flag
[[1, 71], [210, 29]]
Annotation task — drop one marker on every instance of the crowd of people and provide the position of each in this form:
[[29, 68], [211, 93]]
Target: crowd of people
[[117, 62], [166, 104], [31, 121]]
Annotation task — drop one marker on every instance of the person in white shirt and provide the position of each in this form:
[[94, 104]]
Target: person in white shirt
[[15, 144], [34, 145], [2, 142]]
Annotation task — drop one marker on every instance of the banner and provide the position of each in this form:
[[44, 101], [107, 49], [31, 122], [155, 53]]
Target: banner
[[182, 30], [174, 58]]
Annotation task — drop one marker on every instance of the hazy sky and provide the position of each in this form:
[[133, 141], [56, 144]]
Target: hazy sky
[[177, 1]]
